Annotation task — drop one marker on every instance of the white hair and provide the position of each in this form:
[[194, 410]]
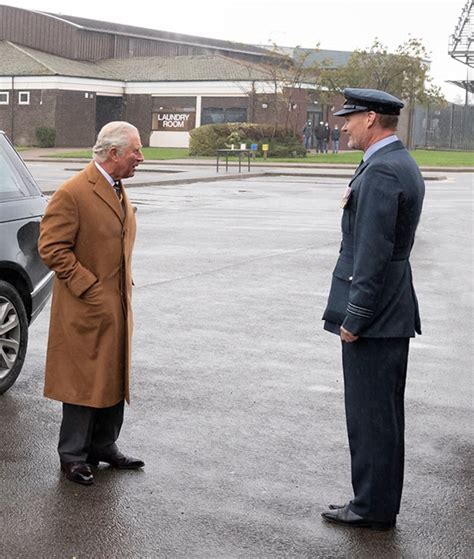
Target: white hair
[[114, 134]]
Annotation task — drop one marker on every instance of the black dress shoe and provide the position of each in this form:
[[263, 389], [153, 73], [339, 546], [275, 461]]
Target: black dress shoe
[[346, 517], [335, 507], [119, 461], [79, 472]]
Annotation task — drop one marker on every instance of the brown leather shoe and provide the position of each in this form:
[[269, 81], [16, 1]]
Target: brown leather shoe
[[118, 461], [79, 472]]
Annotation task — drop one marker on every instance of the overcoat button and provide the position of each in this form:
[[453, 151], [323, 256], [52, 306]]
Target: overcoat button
[[350, 278]]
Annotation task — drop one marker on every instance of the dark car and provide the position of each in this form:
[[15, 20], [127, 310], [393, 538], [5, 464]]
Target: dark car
[[25, 282]]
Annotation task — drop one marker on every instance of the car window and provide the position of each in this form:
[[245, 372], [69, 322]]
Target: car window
[[12, 183]]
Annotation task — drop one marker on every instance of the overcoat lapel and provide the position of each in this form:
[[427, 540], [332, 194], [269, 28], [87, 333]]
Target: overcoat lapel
[[103, 189], [380, 153], [358, 171], [127, 208]]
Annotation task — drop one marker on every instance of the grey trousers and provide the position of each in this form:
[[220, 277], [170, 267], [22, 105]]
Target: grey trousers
[[88, 433]]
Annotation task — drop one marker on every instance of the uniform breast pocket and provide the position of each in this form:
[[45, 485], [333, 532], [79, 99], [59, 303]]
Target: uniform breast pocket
[[346, 220]]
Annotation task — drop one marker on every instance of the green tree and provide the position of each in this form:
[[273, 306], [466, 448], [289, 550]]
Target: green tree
[[403, 73]]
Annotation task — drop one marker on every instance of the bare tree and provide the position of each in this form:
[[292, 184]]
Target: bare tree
[[282, 86]]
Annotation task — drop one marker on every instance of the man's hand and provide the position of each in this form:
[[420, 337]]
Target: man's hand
[[347, 336]]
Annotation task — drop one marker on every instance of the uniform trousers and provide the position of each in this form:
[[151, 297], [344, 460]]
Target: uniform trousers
[[87, 433], [374, 387]]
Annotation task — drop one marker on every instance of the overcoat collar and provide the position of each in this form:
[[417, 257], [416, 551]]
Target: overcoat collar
[[379, 153], [103, 189]]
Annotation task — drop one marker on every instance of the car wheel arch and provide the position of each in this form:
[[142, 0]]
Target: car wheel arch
[[16, 277]]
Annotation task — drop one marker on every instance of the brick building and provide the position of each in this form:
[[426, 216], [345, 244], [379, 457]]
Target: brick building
[[74, 75]]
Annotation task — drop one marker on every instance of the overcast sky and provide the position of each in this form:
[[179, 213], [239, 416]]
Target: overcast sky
[[334, 24]]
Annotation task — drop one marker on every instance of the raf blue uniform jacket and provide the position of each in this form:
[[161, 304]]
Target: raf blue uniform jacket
[[372, 293]]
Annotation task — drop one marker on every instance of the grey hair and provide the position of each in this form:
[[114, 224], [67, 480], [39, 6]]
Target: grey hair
[[114, 134]]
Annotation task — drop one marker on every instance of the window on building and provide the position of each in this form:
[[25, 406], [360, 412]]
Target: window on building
[[4, 97], [217, 115], [24, 98], [235, 114], [212, 115]]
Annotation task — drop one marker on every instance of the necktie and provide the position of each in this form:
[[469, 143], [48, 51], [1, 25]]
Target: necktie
[[117, 189]]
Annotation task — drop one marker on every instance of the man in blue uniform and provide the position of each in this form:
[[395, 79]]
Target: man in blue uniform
[[372, 305]]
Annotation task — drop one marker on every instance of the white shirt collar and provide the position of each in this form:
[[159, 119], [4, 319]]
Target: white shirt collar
[[379, 145], [109, 179]]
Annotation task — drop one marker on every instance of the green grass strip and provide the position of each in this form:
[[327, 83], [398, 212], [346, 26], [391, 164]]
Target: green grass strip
[[425, 158]]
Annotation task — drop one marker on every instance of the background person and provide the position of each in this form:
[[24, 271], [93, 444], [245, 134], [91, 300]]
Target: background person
[[372, 305], [87, 237], [320, 133], [308, 134], [327, 137]]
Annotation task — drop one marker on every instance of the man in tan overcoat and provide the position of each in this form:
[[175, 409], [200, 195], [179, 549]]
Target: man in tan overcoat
[[87, 237]]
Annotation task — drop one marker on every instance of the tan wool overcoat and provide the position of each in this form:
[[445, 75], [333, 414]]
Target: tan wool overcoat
[[87, 239]]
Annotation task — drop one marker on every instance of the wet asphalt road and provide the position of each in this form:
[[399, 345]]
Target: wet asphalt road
[[237, 403]]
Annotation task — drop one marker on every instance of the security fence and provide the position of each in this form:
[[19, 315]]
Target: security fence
[[450, 127]]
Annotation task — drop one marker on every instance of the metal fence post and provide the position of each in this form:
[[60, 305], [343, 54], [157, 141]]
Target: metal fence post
[[451, 127]]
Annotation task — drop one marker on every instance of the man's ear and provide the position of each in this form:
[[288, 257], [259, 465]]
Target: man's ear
[[113, 153], [371, 118]]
